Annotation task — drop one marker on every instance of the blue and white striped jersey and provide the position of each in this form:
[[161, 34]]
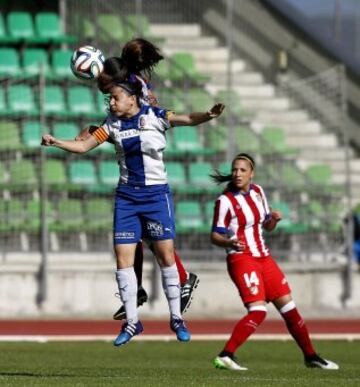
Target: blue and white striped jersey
[[139, 144]]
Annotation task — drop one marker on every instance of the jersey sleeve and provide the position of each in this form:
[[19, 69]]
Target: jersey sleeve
[[222, 215], [163, 116], [265, 204]]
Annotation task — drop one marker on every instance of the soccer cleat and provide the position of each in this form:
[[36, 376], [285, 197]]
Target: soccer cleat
[[128, 331], [178, 326], [142, 297], [227, 363], [316, 361], [186, 291]]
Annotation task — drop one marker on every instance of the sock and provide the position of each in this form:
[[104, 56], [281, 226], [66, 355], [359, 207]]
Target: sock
[[297, 328], [138, 263], [245, 327], [127, 284], [182, 272], [171, 285]]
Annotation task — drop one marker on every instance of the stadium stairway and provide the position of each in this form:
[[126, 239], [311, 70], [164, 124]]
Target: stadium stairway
[[261, 101]]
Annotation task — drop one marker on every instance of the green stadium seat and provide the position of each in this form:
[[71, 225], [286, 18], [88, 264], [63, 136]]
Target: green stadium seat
[[4, 37], [176, 175], [55, 172], [217, 138], [276, 138], [82, 172], [109, 172], [186, 139], [102, 102], [287, 224], [33, 58], [48, 27], [139, 25], [20, 26], [199, 177], [162, 69], [170, 99], [291, 176], [22, 172], [54, 101], [9, 63], [3, 174], [247, 140], [111, 28], [183, 66], [21, 100], [231, 99], [33, 215], [9, 136], [98, 214], [69, 215], [188, 217], [80, 101], [60, 61], [65, 130], [200, 100], [225, 168], [3, 106], [319, 174], [12, 215], [209, 212], [31, 133]]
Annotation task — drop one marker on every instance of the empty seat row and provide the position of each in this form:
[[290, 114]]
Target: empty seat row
[[43, 28], [76, 101], [32, 59]]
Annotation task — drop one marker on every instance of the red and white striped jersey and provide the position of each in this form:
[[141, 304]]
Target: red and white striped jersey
[[242, 214]]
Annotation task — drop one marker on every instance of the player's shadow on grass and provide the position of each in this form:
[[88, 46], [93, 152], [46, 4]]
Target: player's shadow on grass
[[35, 375]]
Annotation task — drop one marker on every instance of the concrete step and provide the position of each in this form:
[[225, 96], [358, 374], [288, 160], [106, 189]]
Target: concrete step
[[340, 177], [182, 43], [241, 78], [325, 140], [302, 128], [277, 104], [175, 30], [341, 167], [284, 117], [213, 67], [221, 54], [247, 90], [320, 155]]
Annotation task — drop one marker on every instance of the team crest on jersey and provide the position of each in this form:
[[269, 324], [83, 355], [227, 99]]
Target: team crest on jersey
[[254, 290], [142, 122], [155, 229], [283, 282], [258, 198]]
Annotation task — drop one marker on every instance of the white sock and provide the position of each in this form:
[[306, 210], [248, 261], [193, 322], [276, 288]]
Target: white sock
[[127, 284], [171, 285]]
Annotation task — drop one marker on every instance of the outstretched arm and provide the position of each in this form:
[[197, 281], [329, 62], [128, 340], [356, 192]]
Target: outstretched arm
[[193, 119], [70, 145]]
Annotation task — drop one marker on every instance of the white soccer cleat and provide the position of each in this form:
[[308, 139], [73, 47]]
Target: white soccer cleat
[[317, 362], [226, 363]]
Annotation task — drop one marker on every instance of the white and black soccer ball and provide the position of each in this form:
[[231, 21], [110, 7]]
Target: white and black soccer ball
[[87, 62]]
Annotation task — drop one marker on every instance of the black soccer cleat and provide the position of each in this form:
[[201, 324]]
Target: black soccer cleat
[[315, 361], [142, 297], [187, 290]]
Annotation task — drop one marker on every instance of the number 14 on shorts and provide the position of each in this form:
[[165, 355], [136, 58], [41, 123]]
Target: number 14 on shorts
[[252, 282]]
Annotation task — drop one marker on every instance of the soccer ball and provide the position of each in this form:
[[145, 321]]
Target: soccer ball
[[87, 62]]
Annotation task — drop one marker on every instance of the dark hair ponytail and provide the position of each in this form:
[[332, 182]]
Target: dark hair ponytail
[[220, 178], [140, 55]]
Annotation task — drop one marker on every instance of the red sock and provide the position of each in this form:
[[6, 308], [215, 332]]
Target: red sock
[[244, 328], [181, 269], [138, 263], [298, 330]]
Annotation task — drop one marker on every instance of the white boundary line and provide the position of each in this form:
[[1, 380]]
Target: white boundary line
[[195, 337]]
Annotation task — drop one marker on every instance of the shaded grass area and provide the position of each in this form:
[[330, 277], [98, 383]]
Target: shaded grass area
[[272, 363]]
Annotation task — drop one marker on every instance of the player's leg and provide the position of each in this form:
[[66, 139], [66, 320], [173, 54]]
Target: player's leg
[[127, 233], [142, 296], [164, 252], [279, 292], [188, 282], [298, 330], [246, 274]]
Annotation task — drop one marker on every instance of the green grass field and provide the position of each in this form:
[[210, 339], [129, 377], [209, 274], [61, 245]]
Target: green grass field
[[171, 364]]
